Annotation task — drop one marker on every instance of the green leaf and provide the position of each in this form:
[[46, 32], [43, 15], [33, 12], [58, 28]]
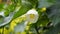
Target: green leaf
[[6, 13], [53, 30], [1, 6], [34, 3], [24, 8], [53, 13], [9, 9], [43, 20], [45, 3]]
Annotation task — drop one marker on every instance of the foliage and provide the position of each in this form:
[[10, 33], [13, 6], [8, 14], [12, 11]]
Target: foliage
[[14, 18]]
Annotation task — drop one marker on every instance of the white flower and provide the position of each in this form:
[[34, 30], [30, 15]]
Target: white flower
[[32, 16]]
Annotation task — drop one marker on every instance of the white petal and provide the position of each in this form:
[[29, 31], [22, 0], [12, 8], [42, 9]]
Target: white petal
[[33, 11]]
